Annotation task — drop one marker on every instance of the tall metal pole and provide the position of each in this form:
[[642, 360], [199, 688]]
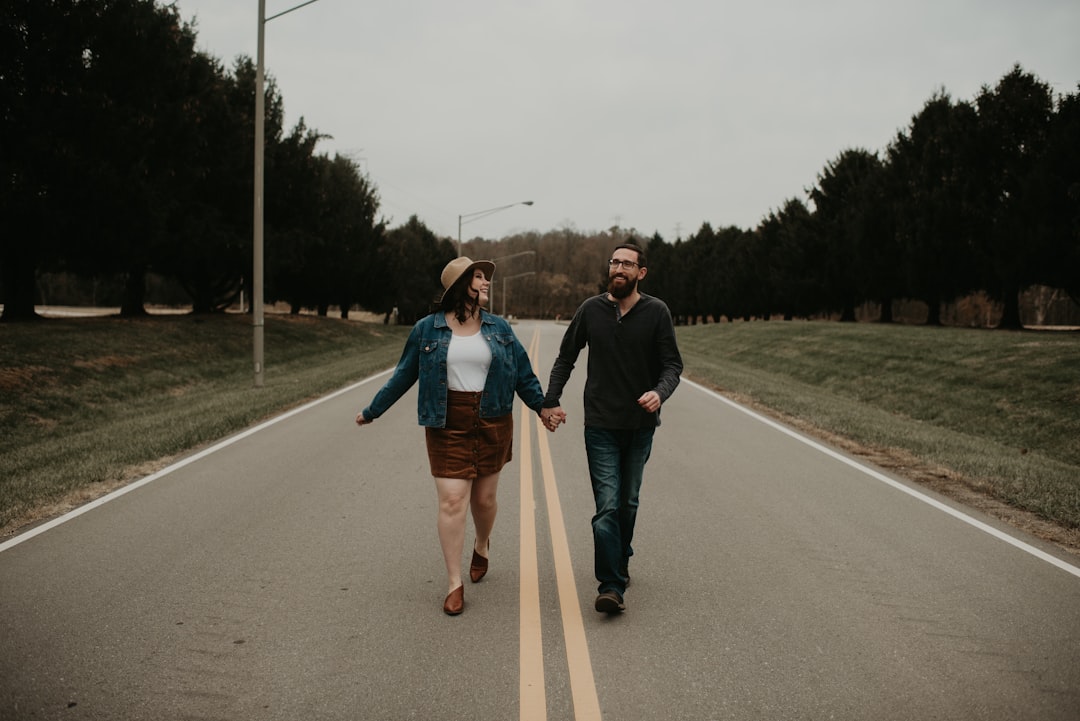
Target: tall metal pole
[[260, 148], [260, 152], [519, 275], [491, 291], [482, 214]]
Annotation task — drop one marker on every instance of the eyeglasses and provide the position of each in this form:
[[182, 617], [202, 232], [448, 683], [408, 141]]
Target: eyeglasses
[[624, 264]]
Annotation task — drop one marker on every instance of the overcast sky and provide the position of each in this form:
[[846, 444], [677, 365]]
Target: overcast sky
[[656, 115]]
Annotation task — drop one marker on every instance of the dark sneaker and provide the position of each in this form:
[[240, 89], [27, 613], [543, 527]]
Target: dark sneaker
[[610, 602]]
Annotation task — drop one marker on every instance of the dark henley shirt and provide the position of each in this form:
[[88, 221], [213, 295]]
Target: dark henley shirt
[[627, 357]]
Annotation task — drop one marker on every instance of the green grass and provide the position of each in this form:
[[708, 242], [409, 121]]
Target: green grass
[[1000, 409], [88, 403], [91, 402]]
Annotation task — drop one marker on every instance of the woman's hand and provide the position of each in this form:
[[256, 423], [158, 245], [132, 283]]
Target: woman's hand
[[360, 420], [552, 418]]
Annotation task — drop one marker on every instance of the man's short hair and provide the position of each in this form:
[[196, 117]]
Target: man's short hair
[[641, 260]]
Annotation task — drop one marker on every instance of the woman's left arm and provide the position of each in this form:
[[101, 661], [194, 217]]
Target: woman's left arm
[[526, 384]]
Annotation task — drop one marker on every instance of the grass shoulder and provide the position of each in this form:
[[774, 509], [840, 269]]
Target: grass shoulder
[[988, 418], [89, 404]]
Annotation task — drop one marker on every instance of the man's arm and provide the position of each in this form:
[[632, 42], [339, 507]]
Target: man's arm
[[573, 341], [671, 364]]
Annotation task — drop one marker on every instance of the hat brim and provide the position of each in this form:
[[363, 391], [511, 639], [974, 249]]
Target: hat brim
[[486, 265]]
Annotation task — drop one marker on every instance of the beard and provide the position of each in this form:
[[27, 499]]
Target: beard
[[621, 291]]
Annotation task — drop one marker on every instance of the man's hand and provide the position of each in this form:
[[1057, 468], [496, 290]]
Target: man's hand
[[552, 418], [650, 401], [360, 420]]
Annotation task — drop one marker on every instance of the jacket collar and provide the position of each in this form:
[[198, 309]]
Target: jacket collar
[[440, 318]]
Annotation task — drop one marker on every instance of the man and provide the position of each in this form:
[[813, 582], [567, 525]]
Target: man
[[633, 368]]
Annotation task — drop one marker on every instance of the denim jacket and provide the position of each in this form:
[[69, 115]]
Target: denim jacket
[[424, 358]]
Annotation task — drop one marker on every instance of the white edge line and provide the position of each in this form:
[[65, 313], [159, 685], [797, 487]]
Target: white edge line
[[1000, 535], [38, 530]]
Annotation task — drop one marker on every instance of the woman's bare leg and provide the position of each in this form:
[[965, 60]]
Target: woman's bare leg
[[454, 494], [485, 505]]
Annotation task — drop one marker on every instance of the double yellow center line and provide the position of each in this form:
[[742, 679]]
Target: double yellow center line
[[532, 694]]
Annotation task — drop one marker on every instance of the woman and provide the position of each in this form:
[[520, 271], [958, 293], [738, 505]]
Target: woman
[[469, 364]]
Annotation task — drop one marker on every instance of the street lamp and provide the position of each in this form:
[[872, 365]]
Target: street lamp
[[519, 275], [491, 291], [260, 149], [481, 214]]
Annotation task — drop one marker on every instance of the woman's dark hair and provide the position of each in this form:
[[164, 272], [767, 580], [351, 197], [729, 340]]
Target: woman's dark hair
[[641, 261], [457, 300]]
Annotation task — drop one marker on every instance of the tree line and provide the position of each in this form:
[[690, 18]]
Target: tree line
[[128, 154], [979, 196]]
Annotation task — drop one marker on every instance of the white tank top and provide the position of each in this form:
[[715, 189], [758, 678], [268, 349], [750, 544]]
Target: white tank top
[[467, 363]]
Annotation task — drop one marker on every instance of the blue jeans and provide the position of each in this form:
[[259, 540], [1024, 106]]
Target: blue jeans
[[617, 460]]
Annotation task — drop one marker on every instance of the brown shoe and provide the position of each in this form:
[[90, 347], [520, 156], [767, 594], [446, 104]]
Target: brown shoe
[[455, 602], [610, 602], [479, 566]]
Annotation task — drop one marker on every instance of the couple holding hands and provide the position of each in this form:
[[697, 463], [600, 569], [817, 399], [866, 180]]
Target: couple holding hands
[[470, 366]]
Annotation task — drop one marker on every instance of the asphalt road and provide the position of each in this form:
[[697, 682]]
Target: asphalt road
[[294, 572]]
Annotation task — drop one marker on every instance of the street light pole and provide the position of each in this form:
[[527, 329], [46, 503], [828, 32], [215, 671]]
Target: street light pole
[[260, 147], [491, 291], [260, 150], [482, 214], [519, 275]]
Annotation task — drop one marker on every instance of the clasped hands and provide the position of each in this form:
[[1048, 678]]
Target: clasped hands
[[552, 418]]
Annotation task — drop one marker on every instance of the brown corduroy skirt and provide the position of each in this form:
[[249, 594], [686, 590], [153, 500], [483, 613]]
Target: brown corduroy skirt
[[469, 446]]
